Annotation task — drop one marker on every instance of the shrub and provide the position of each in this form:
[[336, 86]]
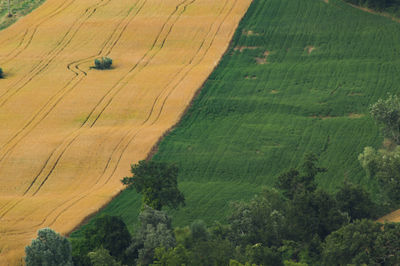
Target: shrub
[[103, 63], [1, 73]]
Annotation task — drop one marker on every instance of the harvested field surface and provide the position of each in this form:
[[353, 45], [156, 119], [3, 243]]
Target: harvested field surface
[[253, 121], [391, 217], [68, 132]]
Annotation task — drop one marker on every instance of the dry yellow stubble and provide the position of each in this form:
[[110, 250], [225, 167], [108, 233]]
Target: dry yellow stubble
[[68, 133], [393, 217]]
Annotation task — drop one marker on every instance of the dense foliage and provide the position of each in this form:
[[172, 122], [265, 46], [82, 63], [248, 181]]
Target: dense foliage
[[271, 229], [298, 225], [157, 182], [49, 248], [101, 257], [387, 113], [108, 232], [363, 243], [383, 164]]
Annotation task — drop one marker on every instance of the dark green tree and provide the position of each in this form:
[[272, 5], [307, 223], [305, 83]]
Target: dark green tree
[[49, 248], [314, 213], [157, 182], [302, 180], [80, 250], [260, 255], [109, 232], [213, 251], [1, 73], [103, 63], [387, 245], [363, 242], [355, 201]]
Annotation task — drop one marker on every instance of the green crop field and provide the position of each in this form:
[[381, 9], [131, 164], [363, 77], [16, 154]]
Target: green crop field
[[298, 77]]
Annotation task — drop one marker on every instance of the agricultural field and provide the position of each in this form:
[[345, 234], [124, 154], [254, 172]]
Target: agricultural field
[[299, 77], [18, 9], [69, 132]]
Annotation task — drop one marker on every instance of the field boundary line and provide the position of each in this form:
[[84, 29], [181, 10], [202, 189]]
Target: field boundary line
[[71, 138], [53, 102], [130, 139]]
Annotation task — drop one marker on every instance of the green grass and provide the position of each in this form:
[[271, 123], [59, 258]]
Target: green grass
[[19, 8], [253, 121]]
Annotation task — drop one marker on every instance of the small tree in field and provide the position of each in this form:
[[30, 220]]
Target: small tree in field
[[103, 63], [157, 182], [49, 248], [1, 73]]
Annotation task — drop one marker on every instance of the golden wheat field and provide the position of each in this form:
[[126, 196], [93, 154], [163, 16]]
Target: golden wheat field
[[69, 133], [391, 217]]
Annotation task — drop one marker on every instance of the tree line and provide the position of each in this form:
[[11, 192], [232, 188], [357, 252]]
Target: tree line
[[294, 223]]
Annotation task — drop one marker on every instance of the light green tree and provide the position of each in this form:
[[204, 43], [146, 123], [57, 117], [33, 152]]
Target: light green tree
[[155, 231], [49, 248], [102, 257], [387, 113], [384, 165]]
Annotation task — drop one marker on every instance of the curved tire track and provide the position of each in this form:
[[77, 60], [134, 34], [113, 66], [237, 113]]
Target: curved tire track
[[58, 10], [11, 144], [57, 153], [131, 135], [61, 45], [105, 101], [108, 46]]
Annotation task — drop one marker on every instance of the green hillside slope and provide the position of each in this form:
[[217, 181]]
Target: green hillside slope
[[298, 77]]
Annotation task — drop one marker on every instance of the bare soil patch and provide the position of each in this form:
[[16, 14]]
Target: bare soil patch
[[262, 60], [356, 94], [309, 49], [251, 33], [242, 48], [355, 116]]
